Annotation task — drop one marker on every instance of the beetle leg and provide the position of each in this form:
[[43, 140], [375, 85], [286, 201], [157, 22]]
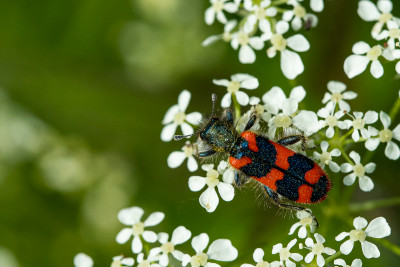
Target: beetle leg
[[206, 153], [293, 139], [251, 122], [240, 179], [228, 116], [276, 199]]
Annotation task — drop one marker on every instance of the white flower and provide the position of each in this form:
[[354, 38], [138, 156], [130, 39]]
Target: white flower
[[258, 258], [359, 123], [336, 95], [132, 217], [176, 158], [120, 261], [358, 170], [356, 64], [83, 260], [386, 135], [355, 263], [216, 10], [326, 157], [226, 35], [398, 67], [331, 120], [377, 228], [317, 249], [381, 13], [275, 100], [259, 12], [247, 44], [179, 236], [176, 116], [392, 33], [285, 255], [219, 250], [237, 81], [317, 5], [291, 64], [297, 15], [209, 198], [305, 220], [151, 260]]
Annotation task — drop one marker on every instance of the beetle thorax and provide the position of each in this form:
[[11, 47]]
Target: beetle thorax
[[219, 135]]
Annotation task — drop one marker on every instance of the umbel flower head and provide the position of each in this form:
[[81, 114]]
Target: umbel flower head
[[377, 228], [132, 217]]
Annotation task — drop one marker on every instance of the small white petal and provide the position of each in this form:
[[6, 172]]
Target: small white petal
[[258, 255], [368, 11], [307, 121], [298, 43], [169, 115], [162, 237], [291, 64], [349, 179], [183, 100], [130, 216], [196, 183], [180, 235], [341, 236], [385, 119], [392, 151], [347, 247], [378, 228], [250, 83], [360, 48], [149, 236], [294, 227], [370, 167], [222, 250], [192, 164], [209, 199], [354, 65], [246, 55], [366, 183], [309, 257], [370, 250], [376, 69], [257, 43], [320, 260], [334, 166], [319, 238], [242, 98], [396, 132], [298, 93], [226, 100], [282, 27], [211, 39], [317, 5], [291, 243], [226, 191], [83, 260], [296, 256], [175, 159], [359, 223], [186, 129], [355, 156], [209, 16], [167, 133], [200, 242], [193, 118], [370, 117], [221, 82], [123, 236], [276, 248], [154, 219], [385, 6], [346, 167], [372, 143], [137, 245]]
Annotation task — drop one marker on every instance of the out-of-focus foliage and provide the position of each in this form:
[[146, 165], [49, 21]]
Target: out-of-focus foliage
[[85, 85]]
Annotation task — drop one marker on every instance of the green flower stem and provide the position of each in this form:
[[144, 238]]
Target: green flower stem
[[236, 106], [395, 109], [389, 245], [374, 204], [346, 135], [344, 154], [334, 256], [279, 2]]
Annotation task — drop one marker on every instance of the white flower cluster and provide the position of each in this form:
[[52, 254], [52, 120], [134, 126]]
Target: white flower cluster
[[158, 256], [377, 228], [265, 23], [386, 31]]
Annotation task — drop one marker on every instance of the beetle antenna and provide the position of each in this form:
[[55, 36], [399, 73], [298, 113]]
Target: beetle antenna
[[214, 99], [180, 137]]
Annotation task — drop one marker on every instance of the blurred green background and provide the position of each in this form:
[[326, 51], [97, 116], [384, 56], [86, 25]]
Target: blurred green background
[[84, 87]]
